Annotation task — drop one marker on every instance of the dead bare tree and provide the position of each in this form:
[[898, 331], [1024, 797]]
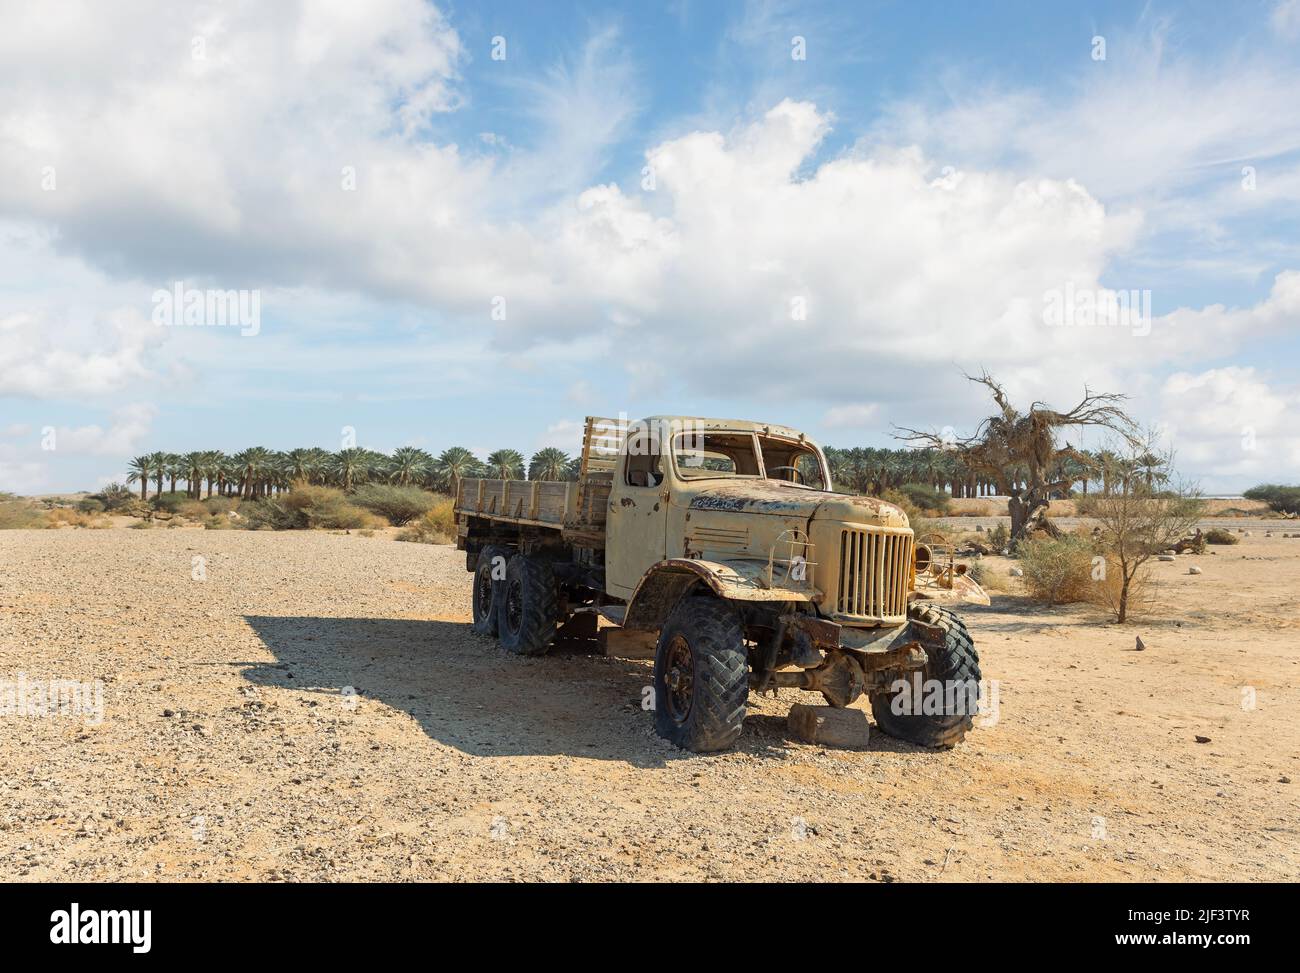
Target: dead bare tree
[[1139, 521], [1013, 440]]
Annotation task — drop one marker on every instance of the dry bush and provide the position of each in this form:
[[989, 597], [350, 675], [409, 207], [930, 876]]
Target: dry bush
[[1057, 571], [1217, 535], [67, 516], [20, 515], [1107, 592], [307, 507], [975, 510], [438, 526], [986, 577]]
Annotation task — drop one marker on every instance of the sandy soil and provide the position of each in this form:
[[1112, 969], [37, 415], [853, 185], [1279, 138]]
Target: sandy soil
[[229, 749]]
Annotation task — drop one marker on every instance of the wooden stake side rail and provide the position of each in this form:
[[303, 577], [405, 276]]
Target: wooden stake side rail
[[534, 503]]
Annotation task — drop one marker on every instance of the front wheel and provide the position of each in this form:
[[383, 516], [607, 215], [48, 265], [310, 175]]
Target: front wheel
[[935, 706], [701, 676]]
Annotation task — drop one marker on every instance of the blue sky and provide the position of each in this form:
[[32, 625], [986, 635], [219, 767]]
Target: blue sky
[[826, 241]]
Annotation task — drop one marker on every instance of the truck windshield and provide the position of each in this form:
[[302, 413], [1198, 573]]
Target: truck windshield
[[792, 461], [710, 455]]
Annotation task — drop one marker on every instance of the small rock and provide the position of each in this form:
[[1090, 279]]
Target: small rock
[[1193, 570], [1016, 572], [168, 712], [1139, 647], [1284, 780], [1201, 739], [1166, 557]]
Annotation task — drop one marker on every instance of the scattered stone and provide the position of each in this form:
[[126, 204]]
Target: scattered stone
[[1284, 780], [1139, 647], [1193, 570], [1201, 739], [1166, 557], [1016, 572]]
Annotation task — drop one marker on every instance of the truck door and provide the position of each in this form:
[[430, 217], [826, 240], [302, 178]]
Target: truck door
[[637, 524]]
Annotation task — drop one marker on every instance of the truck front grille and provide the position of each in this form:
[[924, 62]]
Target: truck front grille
[[875, 571]]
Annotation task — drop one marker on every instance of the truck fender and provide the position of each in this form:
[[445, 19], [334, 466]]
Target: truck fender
[[664, 584]]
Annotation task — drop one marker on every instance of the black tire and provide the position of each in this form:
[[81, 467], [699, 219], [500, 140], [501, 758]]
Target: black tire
[[487, 590], [952, 661], [700, 695], [527, 609]]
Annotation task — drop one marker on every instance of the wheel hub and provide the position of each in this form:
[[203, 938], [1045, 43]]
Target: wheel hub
[[679, 678]]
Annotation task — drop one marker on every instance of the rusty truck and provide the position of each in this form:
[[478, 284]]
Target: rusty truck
[[719, 547]]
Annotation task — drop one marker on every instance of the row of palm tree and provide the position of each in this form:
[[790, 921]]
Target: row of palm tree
[[258, 472], [873, 470]]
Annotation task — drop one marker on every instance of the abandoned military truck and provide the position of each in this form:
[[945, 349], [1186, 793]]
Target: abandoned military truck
[[720, 546]]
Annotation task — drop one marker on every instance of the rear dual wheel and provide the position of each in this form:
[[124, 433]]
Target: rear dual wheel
[[527, 606]]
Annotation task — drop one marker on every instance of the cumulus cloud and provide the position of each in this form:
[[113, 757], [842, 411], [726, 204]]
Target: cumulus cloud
[[1231, 423], [49, 357], [126, 433]]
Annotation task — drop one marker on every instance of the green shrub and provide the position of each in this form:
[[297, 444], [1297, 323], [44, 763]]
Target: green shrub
[[1217, 535], [89, 505], [115, 497], [1057, 571], [1283, 499], [220, 505], [171, 502], [927, 498], [400, 504]]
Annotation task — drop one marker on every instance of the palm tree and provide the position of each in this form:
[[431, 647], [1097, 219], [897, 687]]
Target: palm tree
[[409, 465], [175, 467], [548, 464], [158, 461], [303, 464], [192, 463], [140, 470], [452, 466], [351, 467], [506, 464]]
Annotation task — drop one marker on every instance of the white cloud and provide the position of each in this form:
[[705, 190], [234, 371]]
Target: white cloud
[[566, 434], [126, 434], [49, 357], [1231, 425], [1285, 19], [860, 415]]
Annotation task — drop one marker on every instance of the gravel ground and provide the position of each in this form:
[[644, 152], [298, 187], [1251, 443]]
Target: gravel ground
[[316, 708]]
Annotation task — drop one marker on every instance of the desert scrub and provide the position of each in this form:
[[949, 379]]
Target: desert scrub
[[68, 517], [999, 537], [1217, 535], [307, 507], [400, 504], [20, 515], [1058, 571], [438, 526], [986, 577], [927, 499]]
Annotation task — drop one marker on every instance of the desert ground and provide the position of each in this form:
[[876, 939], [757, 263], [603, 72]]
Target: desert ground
[[314, 707]]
